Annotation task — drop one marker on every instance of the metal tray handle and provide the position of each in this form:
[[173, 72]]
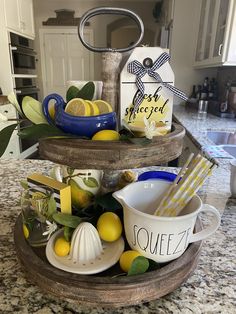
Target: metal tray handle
[[109, 10]]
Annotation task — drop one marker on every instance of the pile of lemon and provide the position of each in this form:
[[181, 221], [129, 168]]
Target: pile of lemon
[[85, 108]]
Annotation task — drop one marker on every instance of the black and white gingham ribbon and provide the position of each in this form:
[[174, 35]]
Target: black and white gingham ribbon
[[136, 68]]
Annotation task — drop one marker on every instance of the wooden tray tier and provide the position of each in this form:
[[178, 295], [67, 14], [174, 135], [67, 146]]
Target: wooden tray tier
[[113, 155], [104, 289]]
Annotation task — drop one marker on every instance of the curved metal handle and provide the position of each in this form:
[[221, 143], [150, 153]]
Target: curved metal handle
[[110, 10]]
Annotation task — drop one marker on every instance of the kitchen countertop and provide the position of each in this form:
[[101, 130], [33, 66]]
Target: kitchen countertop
[[211, 288]]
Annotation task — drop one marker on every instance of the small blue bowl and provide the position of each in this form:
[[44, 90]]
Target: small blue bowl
[[161, 175], [77, 125]]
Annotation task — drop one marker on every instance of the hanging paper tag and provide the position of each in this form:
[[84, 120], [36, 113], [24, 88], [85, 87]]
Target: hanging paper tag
[[146, 78]]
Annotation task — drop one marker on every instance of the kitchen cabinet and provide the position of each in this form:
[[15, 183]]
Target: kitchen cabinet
[[188, 148], [13, 148], [216, 44], [19, 17]]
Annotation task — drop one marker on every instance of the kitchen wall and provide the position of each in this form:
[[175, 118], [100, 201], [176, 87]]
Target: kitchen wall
[[44, 9], [183, 46]]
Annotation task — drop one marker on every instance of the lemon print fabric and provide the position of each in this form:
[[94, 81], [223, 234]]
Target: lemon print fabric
[[80, 198]]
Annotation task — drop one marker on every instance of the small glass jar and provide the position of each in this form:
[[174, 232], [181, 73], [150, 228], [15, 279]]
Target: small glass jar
[[34, 211]]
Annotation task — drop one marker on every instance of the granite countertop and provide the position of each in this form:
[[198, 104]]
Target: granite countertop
[[211, 288]]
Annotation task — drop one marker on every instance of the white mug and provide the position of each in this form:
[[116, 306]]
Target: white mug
[[161, 239], [85, 183], [233, 177]]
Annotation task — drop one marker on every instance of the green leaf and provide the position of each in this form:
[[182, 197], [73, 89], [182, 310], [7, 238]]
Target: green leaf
[[5, 135], [52, 206], [91, 182], [67, 220], [87, 91], [32, 109], [24, 184], [139, 266], [68, 233], [71, 93], [153, 265], [107, 201], [39, 130], [13, 100]]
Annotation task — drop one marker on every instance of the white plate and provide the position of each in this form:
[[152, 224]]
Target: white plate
[[109, 257]]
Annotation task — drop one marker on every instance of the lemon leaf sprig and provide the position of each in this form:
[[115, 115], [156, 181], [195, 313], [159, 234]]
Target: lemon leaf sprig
[[86, 92], [139, 266]]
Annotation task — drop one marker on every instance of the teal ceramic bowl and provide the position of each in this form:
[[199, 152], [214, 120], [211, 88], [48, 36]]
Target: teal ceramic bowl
[[77, 125]]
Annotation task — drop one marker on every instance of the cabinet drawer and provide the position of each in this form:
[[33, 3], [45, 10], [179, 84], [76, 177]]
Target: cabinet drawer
[[9, 111]]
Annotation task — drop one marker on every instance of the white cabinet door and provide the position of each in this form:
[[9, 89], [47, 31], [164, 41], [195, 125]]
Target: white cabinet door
[[55, 63], [19, 16], [12, 14], [27, 17], [216, 36], [80, 65], [64, 58]]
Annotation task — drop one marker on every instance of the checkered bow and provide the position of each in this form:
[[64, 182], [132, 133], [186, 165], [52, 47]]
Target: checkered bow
[[136, 68]]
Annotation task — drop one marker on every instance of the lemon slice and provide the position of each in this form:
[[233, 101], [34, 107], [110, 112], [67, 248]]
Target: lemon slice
[[93, 107], [103, 106], [78, 107]]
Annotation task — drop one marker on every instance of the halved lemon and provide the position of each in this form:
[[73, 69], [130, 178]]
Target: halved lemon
[[93, 107], [103, 106], [78, 107]]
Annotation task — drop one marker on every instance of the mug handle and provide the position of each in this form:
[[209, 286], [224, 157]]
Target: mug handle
[[59, 103], [206, 232]]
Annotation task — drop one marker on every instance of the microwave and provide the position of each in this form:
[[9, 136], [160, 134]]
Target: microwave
[[23, 55]]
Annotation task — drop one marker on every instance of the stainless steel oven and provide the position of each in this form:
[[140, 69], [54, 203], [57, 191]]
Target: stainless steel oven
[[26, 87], [23, 55]]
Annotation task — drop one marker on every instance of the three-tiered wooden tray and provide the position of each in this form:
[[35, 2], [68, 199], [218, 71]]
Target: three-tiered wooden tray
[[106, 288], [113, 155]]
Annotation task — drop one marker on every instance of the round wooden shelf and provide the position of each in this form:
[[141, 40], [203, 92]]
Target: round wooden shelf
[[113, 155], [104, 289]]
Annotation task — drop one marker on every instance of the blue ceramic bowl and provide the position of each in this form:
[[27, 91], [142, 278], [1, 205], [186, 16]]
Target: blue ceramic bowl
[[160, 175], [77, 125]]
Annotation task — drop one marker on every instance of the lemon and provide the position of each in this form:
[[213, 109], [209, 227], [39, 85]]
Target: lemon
[[127, 258], [103, 106], [93, 107], [106, 135], [78, 107], [62, 247], [109, 227], [25, 231]]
